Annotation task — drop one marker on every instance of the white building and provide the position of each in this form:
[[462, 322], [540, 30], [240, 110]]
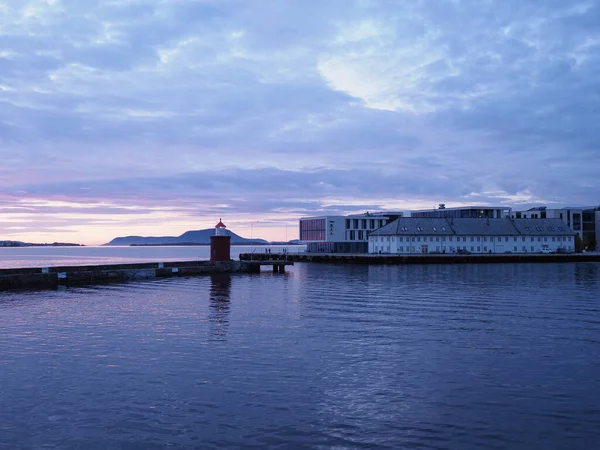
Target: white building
[[448, 235], [342, 234], [584, 220]]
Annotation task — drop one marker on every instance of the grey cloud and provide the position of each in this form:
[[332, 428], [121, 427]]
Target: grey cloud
[[511, 90]]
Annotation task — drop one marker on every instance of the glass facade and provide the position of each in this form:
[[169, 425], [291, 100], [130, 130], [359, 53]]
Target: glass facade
[[312, 229], [466, 213]]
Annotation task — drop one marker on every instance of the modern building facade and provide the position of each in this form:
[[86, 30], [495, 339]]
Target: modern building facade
[[342, 234], [456, 235], [465, 212], [583, 220]]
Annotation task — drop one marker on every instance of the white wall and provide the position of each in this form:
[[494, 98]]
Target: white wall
[[473, 244], [335, 229]]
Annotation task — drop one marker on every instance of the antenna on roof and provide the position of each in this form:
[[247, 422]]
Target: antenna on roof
[[442, 206]]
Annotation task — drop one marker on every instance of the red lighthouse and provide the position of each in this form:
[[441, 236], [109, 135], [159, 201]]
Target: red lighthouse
[[220, 244]]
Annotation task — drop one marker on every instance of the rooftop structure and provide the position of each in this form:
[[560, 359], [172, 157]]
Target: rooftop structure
[[465, 212]]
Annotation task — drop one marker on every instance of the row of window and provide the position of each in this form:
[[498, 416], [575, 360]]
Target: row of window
[[464, 239], [541, 229], [365, 224], [473, 248], [359, 235]]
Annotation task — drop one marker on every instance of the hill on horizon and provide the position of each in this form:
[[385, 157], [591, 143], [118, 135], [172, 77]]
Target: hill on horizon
[[189, 237]]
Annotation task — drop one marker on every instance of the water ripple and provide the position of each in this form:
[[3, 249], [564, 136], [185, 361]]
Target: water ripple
[[323, 357]]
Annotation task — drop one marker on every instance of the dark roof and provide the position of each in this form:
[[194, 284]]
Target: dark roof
[[443, 226], [415, 225], [542, 227], [483, 227]]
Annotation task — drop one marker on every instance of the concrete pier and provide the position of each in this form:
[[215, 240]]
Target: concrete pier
[[51, 277], [365, 258]]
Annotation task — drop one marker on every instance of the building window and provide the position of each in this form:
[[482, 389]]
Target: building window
[[515, 248], [499, 239], [553, 239], [506, 239], [532, 248], [472, 248], [478, 238], [485, 248], [545, 239], [437, 239], [351, 235], [472, 238], [478, 248], [418, 238], [532, 239]]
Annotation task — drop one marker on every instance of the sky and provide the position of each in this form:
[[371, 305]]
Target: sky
[[154, 117]]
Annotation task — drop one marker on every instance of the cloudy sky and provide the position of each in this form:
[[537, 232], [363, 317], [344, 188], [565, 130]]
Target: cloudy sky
[[153, 117]]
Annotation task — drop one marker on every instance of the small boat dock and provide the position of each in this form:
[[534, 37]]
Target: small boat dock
[[278, 260]]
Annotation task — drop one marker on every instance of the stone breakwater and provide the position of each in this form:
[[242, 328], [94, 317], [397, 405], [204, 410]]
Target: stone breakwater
[[51, 277]]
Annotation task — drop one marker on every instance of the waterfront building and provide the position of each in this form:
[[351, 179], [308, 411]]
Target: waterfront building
[[471, 235], [465, 212], [342, 234], [583, 220]]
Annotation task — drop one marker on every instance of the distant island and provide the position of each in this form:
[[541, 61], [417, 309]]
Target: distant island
[[195, 237], [29, 244]]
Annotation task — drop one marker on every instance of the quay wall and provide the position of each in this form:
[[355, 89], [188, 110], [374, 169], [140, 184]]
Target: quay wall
[[50, 277], [364, 258]]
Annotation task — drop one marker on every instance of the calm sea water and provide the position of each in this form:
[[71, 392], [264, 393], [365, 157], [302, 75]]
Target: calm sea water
[[59, 256], [322, 357]]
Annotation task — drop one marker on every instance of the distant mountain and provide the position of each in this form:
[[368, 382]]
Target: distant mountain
[[291, 242], [195, 237], [29, 244]]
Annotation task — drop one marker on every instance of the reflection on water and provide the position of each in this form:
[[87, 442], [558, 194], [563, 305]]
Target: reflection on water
[[463, 357], [220, 298]]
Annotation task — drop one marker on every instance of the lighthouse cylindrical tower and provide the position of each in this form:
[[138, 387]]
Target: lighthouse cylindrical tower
[[220, 244]]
